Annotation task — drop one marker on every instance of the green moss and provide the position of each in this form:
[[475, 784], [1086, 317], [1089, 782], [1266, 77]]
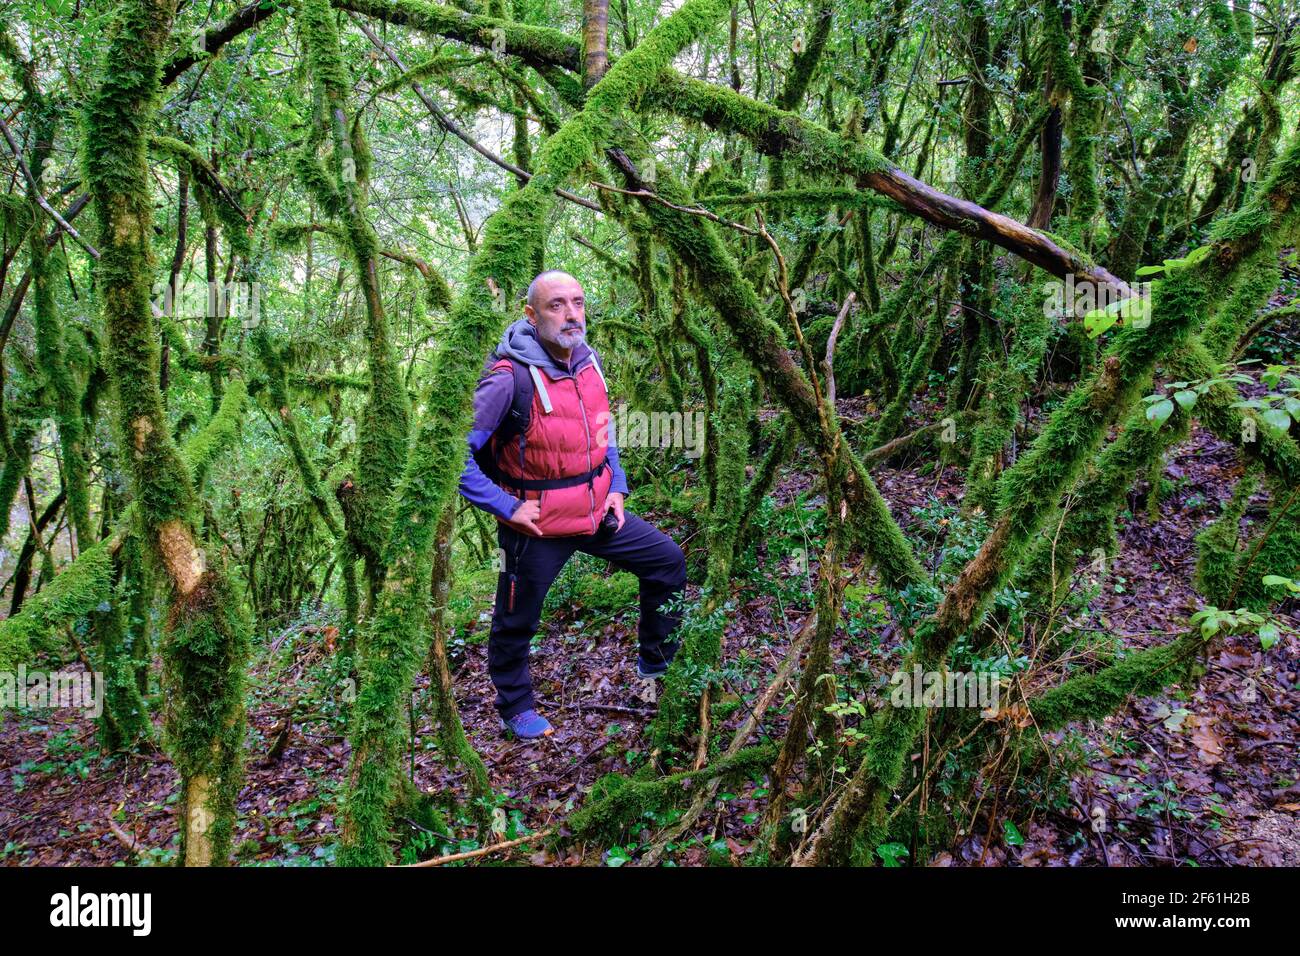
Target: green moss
[[383, 430], [219, 433], [1000, 410], [1278, 553], [1098, 695], [73, 593], [1216, 546]]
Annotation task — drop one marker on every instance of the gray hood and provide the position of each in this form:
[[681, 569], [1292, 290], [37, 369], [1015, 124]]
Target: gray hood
[[520, 342]]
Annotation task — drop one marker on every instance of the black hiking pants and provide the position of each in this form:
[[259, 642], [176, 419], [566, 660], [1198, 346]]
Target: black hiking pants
[[535, 562]]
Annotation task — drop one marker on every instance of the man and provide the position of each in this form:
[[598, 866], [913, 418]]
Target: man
[[548, 470]]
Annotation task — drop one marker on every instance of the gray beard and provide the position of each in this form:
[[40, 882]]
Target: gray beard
[[569, 339]]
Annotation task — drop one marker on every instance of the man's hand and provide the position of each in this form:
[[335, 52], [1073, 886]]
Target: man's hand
[[615, 500], [525, 517]]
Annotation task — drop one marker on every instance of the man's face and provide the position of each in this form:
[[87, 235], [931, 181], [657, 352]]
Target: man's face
[[559, 315]]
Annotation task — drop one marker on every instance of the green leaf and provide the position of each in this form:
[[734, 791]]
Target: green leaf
[[1160, 411], [1269, 635], [1010, 835], [1276, 420], [1149, 270], [1175, 719], [1186, 398], [1098, 321], [891, 853]]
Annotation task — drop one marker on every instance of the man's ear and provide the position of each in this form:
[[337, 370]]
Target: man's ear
[[530, 315]]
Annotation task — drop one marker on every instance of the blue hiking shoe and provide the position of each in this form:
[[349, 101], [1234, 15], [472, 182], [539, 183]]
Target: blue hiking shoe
[[529, 725], [646, 670]]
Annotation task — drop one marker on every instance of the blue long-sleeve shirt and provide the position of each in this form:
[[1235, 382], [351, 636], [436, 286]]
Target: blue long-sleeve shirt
[[492, 401]]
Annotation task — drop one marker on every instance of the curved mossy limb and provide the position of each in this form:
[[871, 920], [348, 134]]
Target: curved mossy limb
[[82, 586], [1216, 546], [1100, 694], [382, 432], [396, 632], [215, 197], [537, 46], [201, 449], [1275, 552]]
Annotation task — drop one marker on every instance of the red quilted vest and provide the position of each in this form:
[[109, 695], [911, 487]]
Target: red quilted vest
[[567, 439]]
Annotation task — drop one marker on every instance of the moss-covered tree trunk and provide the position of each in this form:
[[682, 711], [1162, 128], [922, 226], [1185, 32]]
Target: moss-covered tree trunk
[[204, 643]]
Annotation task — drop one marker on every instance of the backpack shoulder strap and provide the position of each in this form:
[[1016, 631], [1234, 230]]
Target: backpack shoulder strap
[[600, 370], [521, 403]]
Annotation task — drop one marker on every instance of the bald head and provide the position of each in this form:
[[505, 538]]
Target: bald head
[[542, 280], [557, 309]]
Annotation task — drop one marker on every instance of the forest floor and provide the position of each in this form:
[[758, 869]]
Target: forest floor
[[1206, 778]]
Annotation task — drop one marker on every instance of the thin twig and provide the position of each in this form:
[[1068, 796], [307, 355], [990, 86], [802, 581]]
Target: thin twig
[[451, 126], [473, 854]]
